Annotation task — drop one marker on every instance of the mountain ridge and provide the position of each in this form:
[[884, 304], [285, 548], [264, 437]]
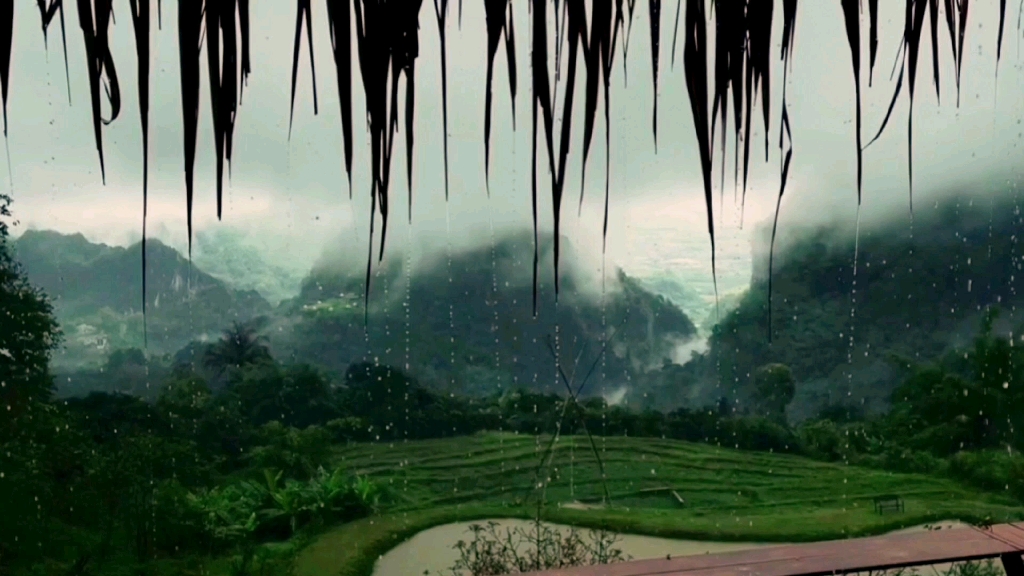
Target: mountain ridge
[[474, 332], [474, 329], [916, 294], [96, 290]]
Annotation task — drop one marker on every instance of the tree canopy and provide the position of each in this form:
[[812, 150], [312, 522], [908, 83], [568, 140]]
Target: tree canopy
[[28, 333], [387, 46]]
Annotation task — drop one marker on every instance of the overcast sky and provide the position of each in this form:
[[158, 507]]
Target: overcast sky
[[295, 195]]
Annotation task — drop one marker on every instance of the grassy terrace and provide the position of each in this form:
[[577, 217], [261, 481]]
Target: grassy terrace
[[727, 494]]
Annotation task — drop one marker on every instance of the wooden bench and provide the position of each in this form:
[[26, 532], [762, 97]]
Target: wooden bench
[[888, 502], [1004, 542]]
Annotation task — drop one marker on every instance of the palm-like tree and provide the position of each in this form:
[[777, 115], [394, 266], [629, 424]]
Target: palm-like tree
[[240, 345]]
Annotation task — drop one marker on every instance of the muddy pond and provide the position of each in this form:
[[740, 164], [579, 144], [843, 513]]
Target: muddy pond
[[433, 551]]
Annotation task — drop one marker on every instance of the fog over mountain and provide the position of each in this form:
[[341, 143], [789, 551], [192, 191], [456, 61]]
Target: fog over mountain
[[463, 323], [916, 294]]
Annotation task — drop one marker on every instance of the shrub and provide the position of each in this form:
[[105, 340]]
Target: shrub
[[275, 508], [905, 460], [179, 523], [755, 433], [990, 470], [347, 429], [822, 439], [493, 551], [297, 453]]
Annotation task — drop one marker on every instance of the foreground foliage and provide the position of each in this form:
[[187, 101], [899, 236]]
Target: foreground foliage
[[491, 551]]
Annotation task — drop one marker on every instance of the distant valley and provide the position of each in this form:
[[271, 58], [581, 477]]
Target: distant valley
[[469, 328], [473, 332]]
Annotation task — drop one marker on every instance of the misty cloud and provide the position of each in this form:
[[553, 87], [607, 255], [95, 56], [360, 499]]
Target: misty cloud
[[293, 195]]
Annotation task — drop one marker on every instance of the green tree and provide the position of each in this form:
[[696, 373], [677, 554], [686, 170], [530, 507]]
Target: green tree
[[997, 368], [937, 411], [774, 388], [966, 402], [28, 334], [306, 397], [239, 346], [296, 395], [297, 453], [184, 402], [128, 370], [125, 357]]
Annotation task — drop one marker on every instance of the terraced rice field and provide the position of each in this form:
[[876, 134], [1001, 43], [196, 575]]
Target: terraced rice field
[[657, 487]]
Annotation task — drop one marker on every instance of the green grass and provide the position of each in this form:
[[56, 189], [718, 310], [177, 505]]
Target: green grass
[[729, 494]]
